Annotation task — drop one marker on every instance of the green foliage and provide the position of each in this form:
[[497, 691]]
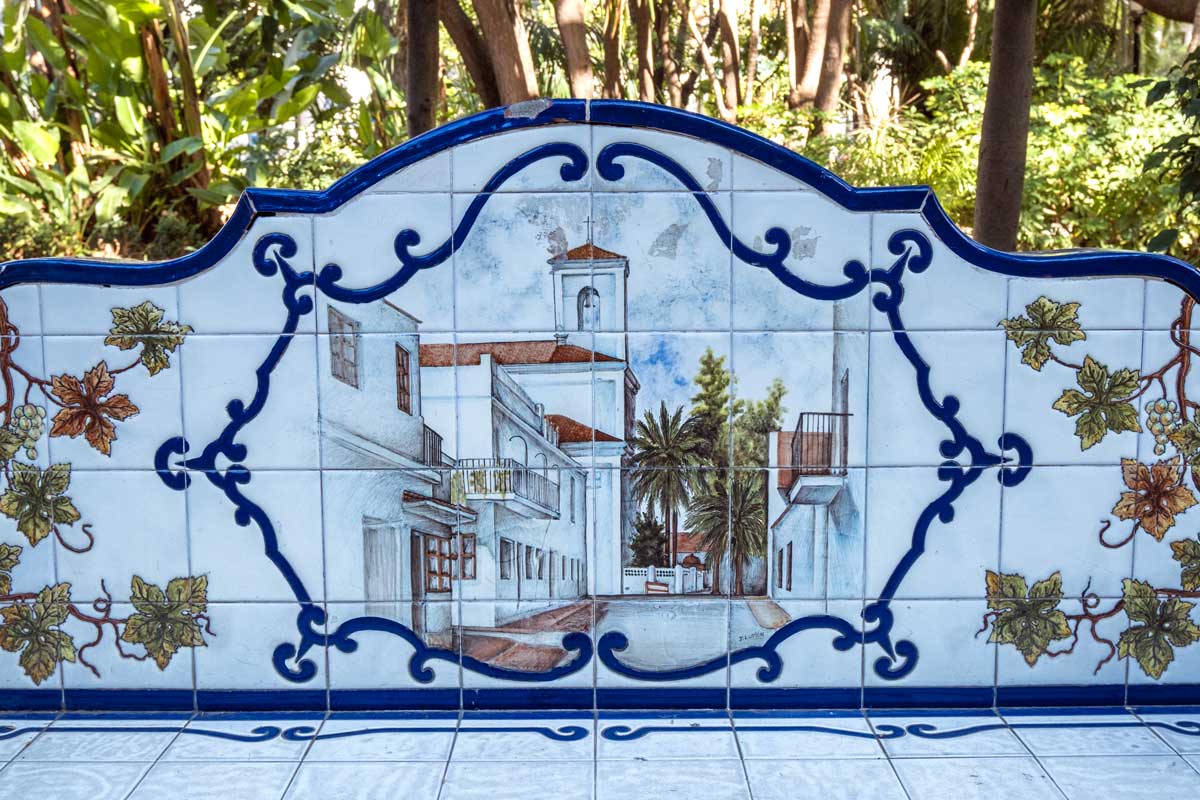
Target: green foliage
[[649, 541], [1157, 627], [33, 631], [165, 622], [1176, 160], [1103, 405], [37, 499], [1027, 618]]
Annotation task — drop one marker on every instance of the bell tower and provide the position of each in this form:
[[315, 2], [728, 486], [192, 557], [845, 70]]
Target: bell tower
[[589, 294]]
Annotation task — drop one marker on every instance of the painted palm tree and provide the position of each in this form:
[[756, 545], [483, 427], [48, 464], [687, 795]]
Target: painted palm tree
[[665, 448], [730, 517]]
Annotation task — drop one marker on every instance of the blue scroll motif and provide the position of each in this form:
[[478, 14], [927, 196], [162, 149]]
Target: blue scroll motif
[[913, 254], [300, 733]]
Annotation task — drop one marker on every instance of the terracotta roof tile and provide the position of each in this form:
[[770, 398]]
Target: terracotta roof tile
[[571, 431], [588, 252], [528, 352]]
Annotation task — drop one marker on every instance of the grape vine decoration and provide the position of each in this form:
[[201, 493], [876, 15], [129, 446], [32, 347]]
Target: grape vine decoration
[[1158, 618], [38, 501]]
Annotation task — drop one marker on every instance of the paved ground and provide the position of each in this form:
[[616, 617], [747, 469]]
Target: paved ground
[[1125, 753]]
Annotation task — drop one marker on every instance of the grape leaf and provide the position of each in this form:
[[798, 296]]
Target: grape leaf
[[10, 556], [1047, 321], [1027, 619], [1156, 494], [1103, 405], [37, 500], [33, 631], [163, 623], [143, 326], [1156, 628], [1187, 553]]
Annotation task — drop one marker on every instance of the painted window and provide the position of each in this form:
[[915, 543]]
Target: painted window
[[587, 306], [437, 565], [563, 574], [779, 568], [403, 383], [508, 559], [466, 556], [528, 562], [789, 566], [343, 347], [541, 564], [572, 498]]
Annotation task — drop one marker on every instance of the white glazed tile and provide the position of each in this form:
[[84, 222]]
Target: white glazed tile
[[750, 175], [1104, 303], [1054, 505], [24, 308], [805, 735], [1165, 776], [360, 237], [1159, 351], [719, 779], [351, 781], [231, 734], [951, 294], [827, 778], [428, 174], [233, 296], [233, 555], [219, 370], [660, 736], [821, 373], [824, 238], [19, 731], [1030, 397], [1109, 733], [503, 268], [87, 310], [666, 635], [155, 401], [965, 365], [139, 526], [382, 661], [239, 654], [70, 781], [570, 780], [110, 738], [1163, 302], [476, 162], [29, 355], [708, 164], [199, 781], [948, 654], [383, 737], [130, 671], [1175, 727], [679, 265], [936, 778], [522, 737], [956, 553], [980, 733], [810, 661]]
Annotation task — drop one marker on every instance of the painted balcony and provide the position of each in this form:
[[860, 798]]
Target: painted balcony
[[506, 480]]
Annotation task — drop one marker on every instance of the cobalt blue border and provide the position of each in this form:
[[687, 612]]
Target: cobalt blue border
[[914, 254]]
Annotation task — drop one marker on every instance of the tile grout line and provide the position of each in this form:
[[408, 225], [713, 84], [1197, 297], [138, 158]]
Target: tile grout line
[[886, 755], [150, 768], [450, 754], [1008, 726], [304, 755]]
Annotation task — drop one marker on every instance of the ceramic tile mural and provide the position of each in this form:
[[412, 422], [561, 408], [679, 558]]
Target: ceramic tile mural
[[597, 407]]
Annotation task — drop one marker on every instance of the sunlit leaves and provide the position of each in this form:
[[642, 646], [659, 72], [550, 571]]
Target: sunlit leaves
[[32, 630], [1103, 404], [1045, 321], [1027, 618], [37, 500], [165, 622], [1157, 627], [143, 326], [87, 407], [1155, 494]]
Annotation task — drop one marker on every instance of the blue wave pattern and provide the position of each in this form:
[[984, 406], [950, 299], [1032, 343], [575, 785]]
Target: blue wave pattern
[[301, 733]]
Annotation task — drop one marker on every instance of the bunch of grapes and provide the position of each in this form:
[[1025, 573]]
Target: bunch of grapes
[[1162, 416], [27, 422]]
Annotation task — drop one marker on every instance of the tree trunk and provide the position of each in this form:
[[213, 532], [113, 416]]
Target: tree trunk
[[1194, 41], [810, 74], [710, 68], [1005, 131], [972, 28], [739, 588], [797, 46], [836, 39], [669, 69], [641, 13], [422, 56], [508, 45], [572, 28], [1178, 10], [731, 53], [472, 49], [614, 27], [160, 82], [1006, 125], [752, 52]]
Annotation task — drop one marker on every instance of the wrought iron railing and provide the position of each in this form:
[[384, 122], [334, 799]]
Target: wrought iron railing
[[501, 476], [820, 443], [431, 447]]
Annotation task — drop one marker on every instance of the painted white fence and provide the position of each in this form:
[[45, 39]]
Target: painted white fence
[[677, 580]]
